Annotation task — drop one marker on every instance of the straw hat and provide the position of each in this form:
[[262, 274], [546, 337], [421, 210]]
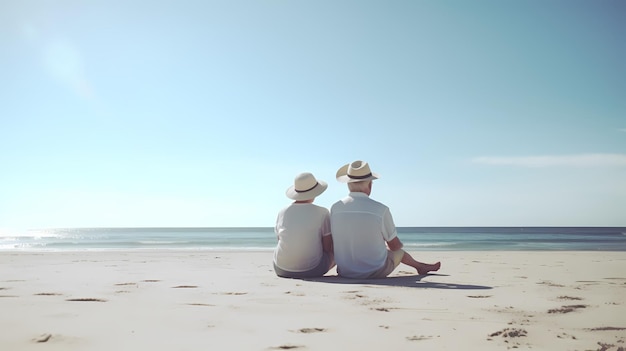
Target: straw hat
[[306, 187], [357, 171]]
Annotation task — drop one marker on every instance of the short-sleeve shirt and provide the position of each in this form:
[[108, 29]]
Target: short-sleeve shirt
[[360, 228], [300, 227]]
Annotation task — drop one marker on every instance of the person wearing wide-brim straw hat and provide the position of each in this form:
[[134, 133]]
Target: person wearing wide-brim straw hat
[[304, 248], [357, 171], [365, 239]]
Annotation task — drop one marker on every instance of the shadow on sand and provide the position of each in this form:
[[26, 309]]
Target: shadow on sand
[[410, 281]]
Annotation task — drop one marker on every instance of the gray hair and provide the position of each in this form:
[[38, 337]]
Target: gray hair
[[359, 186]]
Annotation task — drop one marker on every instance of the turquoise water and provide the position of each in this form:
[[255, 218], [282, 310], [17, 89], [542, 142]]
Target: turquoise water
[[414, 239]]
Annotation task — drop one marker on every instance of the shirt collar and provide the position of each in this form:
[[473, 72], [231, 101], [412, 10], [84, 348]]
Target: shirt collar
[[358, 194]]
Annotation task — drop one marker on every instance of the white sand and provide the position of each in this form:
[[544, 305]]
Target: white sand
[[206, 300]]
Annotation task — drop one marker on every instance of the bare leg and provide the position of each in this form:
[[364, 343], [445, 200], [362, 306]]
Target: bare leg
[[422, 268]]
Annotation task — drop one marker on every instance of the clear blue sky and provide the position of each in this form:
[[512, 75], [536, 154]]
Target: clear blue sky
[[200, 113]]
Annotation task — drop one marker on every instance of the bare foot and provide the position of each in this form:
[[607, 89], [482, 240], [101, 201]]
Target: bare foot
[[425, 268]]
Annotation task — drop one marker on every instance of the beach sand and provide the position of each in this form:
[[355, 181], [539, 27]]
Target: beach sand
[[213, 300]]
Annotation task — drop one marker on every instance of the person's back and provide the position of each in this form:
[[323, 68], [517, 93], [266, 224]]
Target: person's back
[[300, 227], [304, 246], [359, 234], [366, 243]]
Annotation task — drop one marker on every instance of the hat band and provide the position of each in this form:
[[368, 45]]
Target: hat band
[[309, 189], [359, 177]]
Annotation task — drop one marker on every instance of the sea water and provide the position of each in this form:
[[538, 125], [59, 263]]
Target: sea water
[[414, 239]]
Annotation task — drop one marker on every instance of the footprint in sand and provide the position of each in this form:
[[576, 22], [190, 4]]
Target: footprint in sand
[[48, 294], [605, 328], [56, 338], [569, 298], [310, 330], [42, 338], [549, 283], [566, 336], [381, 309], [566, 309], [509, 333], [233, 293], [354, 295], [606, 346], [286, 347], [418, 338], [7, 295]]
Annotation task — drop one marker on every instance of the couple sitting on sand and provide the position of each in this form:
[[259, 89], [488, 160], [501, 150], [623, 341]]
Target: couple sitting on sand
[[358, 233]]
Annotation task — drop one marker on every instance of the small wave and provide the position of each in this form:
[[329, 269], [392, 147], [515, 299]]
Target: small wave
[[22, 246], [37, 234], [162, 242], [439, 244]]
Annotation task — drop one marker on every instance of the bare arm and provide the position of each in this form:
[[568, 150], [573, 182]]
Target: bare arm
[[395, 244], [327, 243]]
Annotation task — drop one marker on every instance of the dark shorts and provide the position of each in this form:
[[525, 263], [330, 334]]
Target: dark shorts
[[326, 263]]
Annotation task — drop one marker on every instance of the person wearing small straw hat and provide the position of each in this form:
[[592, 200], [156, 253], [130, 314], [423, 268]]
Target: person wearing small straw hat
[[365, 240], [305, 248]]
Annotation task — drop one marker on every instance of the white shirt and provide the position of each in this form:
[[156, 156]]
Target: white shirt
[[360, 228], [300, 227]]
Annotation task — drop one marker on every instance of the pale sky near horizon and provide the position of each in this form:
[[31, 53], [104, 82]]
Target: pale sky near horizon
[[201, 113]]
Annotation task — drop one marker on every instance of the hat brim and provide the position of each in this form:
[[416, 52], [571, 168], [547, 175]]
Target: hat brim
[[342, 176], [307, 195]]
